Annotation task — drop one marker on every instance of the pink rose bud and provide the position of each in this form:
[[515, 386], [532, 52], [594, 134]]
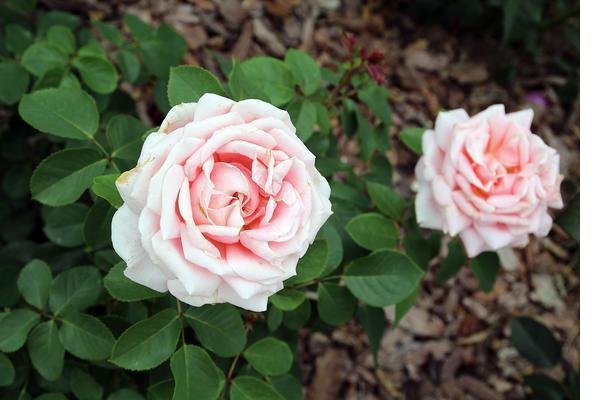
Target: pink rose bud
[[223, 202], [487, 178]]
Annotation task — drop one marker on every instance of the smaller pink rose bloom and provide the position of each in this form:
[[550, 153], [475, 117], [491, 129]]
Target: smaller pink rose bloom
[[487, 178], [224, 201]]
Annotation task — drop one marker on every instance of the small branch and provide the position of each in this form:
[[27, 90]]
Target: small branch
[[180, 313], [335, 93], [230, 374]]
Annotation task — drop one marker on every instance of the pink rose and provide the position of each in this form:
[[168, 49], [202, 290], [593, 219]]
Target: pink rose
[[223, 202], [487, 178]]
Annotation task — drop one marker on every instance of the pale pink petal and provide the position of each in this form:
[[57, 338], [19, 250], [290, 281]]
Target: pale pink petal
[[257, 303], [211, 105], [492, 111], [245, 288], [127, 244], [177, 117], [444, 125], [195, 279], [249, 266], [169, 217], [473, 242], [441, 191], [496, 236], [524, 118], [427, 210], [253, 109]]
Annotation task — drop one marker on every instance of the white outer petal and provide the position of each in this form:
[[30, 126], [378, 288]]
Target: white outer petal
[[126, 242]]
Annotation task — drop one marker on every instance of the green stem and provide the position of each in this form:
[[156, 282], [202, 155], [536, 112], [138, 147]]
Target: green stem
[[180, 312], [230, 374], [314, 281], [102, 149]]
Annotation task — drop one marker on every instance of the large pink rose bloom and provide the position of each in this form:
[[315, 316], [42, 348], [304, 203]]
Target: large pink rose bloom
[[487, 178], [223, 202]]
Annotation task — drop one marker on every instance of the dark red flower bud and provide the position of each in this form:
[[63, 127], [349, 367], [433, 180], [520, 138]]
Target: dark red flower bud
[[375, 57], [376, 73], [349, 41], [363, 54]]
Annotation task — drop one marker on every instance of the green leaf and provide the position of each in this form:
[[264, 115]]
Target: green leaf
[[7, 371], [373, 231], [15, 327], [485, 267], [196, 375], [270, 356], [34, 283], [510, 11], [98, 73], [312, 265], [219, 328], [569, 219], [366, 136], [298, 317], [129, 65], [288, 385], [161, 390], [96, 227], [61, 178], [110, 32], [46, 352], [75, 289], [274, 318], [375, 97], [304, 116], [148, 343], [125, 394], [405, 305], [387, 200], [159, 56], [250, 388], [64, 112], [544, 387], [61, 37], [86, 336], [335, 247], [51, 18], [412, 137], [349, 194], [84, 386], [305, 70], [242, 87], [382, 278], [42, 57], [187, 83], [373, 322], [124, 134], [336, 304], [275, 78], [535, 342], [124, 289], [421, 249], [348, 117], [451, 264], [14, 81], [52, 396], [104, 186], [139, 29], [17, 38], [64, 225], [287, 299]]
